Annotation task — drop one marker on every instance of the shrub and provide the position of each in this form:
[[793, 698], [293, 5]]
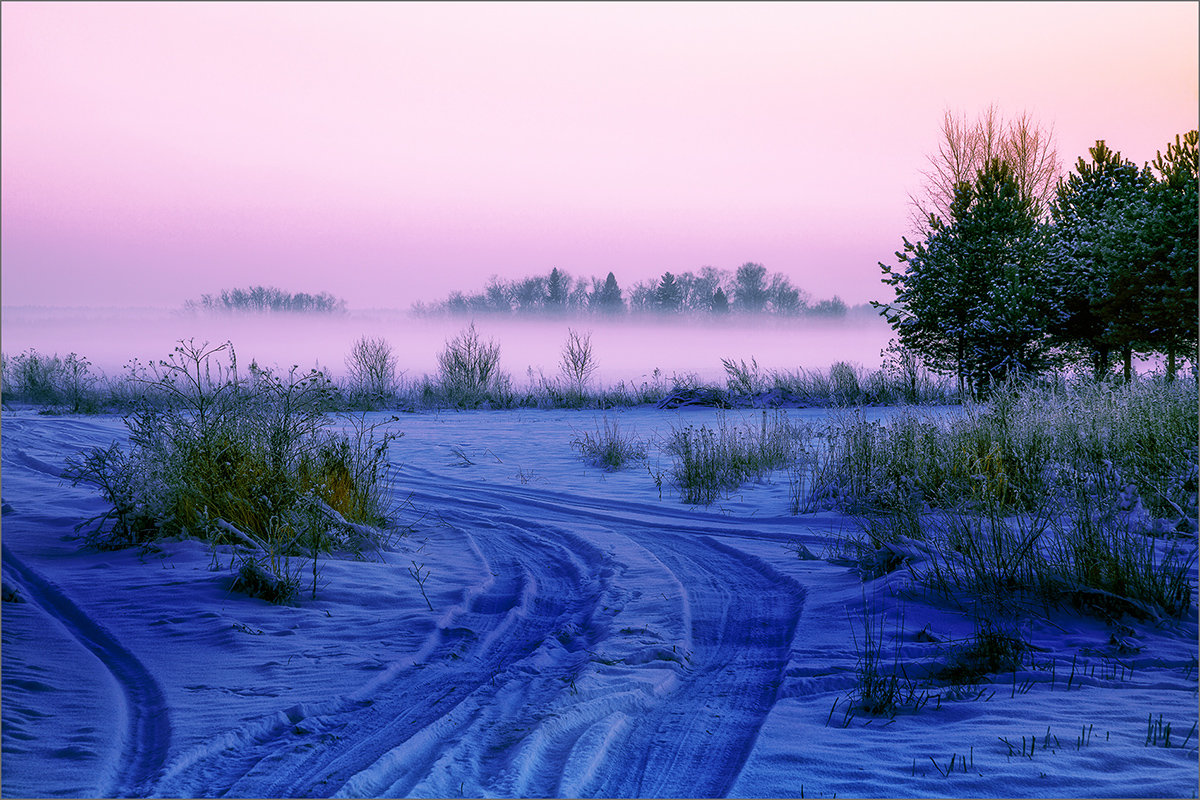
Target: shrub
[[371, 368], [251, 464], [53, 381], [468, 369]]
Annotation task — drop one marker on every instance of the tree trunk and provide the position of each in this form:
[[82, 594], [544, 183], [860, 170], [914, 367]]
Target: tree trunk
[[1170, 363], [1100, 361], [1127, 355]]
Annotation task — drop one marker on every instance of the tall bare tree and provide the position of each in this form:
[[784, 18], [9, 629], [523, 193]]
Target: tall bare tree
[[966, 147]]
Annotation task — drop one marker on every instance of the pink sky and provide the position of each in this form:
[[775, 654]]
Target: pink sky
[[392, 153]]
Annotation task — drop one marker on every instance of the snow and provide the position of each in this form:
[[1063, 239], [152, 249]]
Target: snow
[[587, 638]]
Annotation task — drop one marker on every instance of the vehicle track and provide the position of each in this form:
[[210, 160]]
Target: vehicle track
[[494, 708], [741, 615], [147, 729], [534, 587]]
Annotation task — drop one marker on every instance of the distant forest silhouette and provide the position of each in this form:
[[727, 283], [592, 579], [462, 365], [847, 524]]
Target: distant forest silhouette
[[264, 299], [748, 290]]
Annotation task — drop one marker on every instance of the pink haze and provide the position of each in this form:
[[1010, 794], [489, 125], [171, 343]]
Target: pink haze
[[395, 152]]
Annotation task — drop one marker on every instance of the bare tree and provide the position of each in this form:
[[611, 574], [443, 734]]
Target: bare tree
[[965, 148], [578, 361], [371, 366]]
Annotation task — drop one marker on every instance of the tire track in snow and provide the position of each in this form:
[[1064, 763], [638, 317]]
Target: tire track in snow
[[147, 731], [741, 615], [350, 744], [742, 622], [492, 709]]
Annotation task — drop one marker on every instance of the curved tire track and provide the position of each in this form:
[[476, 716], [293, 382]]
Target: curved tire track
[[349, 744], [741, 616], [148, 730], [493, 708]]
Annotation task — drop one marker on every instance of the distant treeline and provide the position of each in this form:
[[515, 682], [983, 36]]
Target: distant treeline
[[710, 291], [260, 299]]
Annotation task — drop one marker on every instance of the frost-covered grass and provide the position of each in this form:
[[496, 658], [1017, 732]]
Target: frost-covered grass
[[608, 447], [708, 461], [239, 460], [470, 374], [1027, 445], [1080, 496], [560, 602]]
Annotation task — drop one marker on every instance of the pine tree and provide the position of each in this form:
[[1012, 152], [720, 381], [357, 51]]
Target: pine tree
[[606, 298], [668, 297], [1095, 214], [973, 298], [1170, 283], [557, 286]]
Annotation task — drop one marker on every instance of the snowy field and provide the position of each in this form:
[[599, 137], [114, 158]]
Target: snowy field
[[588, 636]]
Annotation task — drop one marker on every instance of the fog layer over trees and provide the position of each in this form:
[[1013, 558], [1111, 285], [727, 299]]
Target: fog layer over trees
[[748, 290]]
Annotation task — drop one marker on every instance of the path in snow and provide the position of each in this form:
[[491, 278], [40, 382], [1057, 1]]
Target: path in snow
[[146, 733], [532, 685]]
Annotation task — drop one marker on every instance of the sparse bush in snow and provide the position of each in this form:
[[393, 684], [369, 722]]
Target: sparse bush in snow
[[371, 369], [578, 361], [256, 464], [469, 370]]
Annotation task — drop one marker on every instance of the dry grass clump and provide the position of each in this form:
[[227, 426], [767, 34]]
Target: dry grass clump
[[608, 447], [249, 462], [708, 461]]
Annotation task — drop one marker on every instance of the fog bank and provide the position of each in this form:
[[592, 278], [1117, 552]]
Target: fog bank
[[628, 349]]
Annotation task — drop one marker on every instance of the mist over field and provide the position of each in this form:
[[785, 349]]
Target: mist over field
[[626, 350]]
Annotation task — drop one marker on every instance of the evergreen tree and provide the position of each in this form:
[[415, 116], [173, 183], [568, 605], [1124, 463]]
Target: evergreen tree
[[1096, 212], [606, 298], [557, 287], [1170, 285], [720, 303], [667, 297], [974, 298], [929, 313]]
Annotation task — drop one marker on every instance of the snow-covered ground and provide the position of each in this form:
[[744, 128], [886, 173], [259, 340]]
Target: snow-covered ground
[[587, 637]]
